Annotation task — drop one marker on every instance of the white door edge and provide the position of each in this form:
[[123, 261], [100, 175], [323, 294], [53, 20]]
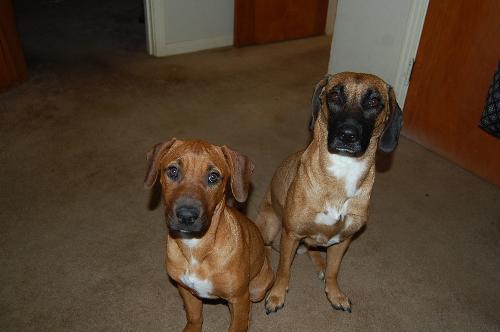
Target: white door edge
[[413, 32], [155, 26]]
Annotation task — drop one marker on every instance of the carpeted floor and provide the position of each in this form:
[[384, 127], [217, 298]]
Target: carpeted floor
[[81, 251]]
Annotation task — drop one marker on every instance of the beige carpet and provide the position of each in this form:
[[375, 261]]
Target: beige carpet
[[81, 251]]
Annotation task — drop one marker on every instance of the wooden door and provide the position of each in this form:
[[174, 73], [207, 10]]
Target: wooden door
[[458, 53], [265, 21], [12, 65]]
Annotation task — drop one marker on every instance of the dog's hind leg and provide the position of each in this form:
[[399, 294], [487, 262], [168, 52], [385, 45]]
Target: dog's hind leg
[[267, 221], [262, 282], [318, 261]]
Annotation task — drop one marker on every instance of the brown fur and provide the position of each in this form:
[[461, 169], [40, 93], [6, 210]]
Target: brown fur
[[302, 188], [231, 253]]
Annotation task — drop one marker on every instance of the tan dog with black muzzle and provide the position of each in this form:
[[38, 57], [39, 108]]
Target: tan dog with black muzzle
[[213, 251], [320, 196]]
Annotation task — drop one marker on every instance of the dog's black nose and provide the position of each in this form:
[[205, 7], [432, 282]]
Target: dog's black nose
[[187, 214], [348, 133]]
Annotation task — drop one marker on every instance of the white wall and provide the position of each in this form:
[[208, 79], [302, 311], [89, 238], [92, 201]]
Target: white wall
[[368, 36], [181, 26], [379, 37]]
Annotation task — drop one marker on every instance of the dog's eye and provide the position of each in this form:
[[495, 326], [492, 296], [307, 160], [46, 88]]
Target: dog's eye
[[213, 177], [374, 102], [334, 97], [172, 173]]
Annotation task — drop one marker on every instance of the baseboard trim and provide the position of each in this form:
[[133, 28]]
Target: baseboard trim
[[192, 46]]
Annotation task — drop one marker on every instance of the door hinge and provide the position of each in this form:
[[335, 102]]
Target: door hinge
[[411, 65]]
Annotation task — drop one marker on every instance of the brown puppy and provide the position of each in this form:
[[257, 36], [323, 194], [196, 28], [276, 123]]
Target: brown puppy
[[320, 196], [213, 251]]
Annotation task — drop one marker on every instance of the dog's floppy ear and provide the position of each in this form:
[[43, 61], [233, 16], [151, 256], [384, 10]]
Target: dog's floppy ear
[[153, 156], [241, 170], [390, 135], [316, 100]]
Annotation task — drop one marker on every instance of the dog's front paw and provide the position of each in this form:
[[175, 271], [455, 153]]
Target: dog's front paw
[[339, 300], [275, 300]]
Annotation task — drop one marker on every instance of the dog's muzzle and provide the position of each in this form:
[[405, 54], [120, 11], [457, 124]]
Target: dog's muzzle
[[187, 216], [348, 137]]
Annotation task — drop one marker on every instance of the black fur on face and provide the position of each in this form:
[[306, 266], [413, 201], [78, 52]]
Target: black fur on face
[[351, 119]]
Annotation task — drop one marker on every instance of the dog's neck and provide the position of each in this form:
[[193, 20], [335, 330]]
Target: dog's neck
[[336, 165], [199, 248]]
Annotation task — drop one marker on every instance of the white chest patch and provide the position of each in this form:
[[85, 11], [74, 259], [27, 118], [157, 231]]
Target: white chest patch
[[202, 287], [193, 262], [191, 243], [331, 215], [347, 169]]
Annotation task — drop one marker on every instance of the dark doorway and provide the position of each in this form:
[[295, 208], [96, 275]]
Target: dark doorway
[[71, 31]]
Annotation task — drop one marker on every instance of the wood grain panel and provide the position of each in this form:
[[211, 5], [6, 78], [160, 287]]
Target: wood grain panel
[[244, 22], [12, 65], [457, 56], [265, 21], [270, 21], [305, 18]]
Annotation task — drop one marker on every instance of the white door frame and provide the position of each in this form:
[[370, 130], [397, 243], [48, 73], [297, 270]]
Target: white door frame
[[413, 32], [155, 33]]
